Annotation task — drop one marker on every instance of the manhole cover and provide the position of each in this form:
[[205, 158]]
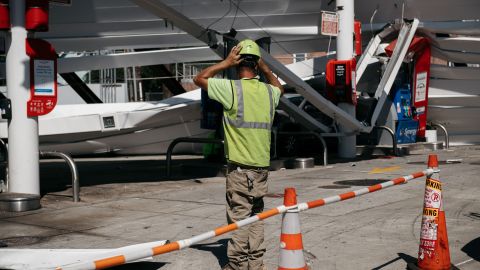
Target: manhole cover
[[361, 182], [274, 195], [334, 186], [21, 241]]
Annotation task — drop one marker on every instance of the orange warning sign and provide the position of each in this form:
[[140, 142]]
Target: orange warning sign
[[432, 212], [434, 184]]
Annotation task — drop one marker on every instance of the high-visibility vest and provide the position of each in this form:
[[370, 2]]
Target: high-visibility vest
[[248, 123]]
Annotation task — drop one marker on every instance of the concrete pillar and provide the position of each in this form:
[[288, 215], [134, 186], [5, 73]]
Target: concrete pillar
[[23, 157], [346, 146]]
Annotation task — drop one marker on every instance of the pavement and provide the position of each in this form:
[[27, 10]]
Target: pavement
[[128, 200]]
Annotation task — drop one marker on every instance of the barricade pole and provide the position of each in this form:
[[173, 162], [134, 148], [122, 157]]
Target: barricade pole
[[363, 191], [182, 244]]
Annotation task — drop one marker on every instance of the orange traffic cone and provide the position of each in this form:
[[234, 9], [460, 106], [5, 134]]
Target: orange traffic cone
[[433, 253], [291, 245]]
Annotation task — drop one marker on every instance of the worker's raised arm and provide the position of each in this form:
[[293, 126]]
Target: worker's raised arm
[[271, 79], [232, 59]]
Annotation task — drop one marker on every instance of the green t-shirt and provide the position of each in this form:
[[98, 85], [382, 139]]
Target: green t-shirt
[[248, 146]]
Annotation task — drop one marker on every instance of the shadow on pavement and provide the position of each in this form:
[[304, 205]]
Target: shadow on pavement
[[56, 176], [401, 256], [472, 249], [218, 249], [140, 266]]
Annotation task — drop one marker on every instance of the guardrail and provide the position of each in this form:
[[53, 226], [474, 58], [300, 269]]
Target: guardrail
[[445, 132], [73, 170], [182, 140], [394, 138]]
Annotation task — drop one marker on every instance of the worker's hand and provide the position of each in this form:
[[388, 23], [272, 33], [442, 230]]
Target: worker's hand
[[271, 78], [263, 67], [233, 57]]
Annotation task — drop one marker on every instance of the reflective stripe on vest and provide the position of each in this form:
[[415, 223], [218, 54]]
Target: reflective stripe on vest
[[240, 121]]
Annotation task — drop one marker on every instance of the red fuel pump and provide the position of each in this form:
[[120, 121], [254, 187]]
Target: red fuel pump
[[43, 77], [36, 15], [421, 52], [4, 15], [340, 76]]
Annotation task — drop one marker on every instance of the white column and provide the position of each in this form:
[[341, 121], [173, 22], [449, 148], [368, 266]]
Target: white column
[[23, 156], [346, 146]]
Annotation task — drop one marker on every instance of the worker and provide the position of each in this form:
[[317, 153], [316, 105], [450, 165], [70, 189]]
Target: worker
[[248, 111]]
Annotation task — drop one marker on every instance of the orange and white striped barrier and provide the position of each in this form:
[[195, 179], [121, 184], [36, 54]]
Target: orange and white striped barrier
[[291, 244], [181, 244], [363, 191], [433, 251]]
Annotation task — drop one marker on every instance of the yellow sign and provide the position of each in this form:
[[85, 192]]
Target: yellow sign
[[435, 184], [433, 212], [384, 170]]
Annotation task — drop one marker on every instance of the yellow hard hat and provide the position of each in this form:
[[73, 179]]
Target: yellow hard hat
[[249, 47]]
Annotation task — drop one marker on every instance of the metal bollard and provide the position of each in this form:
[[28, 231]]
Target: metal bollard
[[73, 169]]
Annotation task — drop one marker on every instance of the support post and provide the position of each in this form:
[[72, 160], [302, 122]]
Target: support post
[[23, 160], [347, 145]]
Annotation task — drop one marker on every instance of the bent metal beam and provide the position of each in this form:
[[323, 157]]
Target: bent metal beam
[[164, 11]]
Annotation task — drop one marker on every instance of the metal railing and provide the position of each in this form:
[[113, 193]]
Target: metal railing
[[183, 140], [394, 138], [73, 169], [445, 132]]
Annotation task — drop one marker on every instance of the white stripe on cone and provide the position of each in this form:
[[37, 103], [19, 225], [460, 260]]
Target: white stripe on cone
[[291, 223], [291, 258]]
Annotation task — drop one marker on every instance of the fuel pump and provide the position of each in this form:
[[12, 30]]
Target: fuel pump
[[43, 77], [340, 77], [417, 81]]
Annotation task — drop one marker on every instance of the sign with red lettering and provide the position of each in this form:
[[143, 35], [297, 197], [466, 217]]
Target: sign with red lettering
[[43, 77], [433, 193], [329, 23]]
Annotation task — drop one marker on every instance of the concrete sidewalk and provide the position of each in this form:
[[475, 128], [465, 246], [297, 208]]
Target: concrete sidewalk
[[128, 201]]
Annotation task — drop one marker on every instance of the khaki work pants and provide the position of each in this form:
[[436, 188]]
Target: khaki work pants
[[245, 191]]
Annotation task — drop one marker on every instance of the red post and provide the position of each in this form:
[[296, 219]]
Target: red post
[[4, 15], [36, 15]]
